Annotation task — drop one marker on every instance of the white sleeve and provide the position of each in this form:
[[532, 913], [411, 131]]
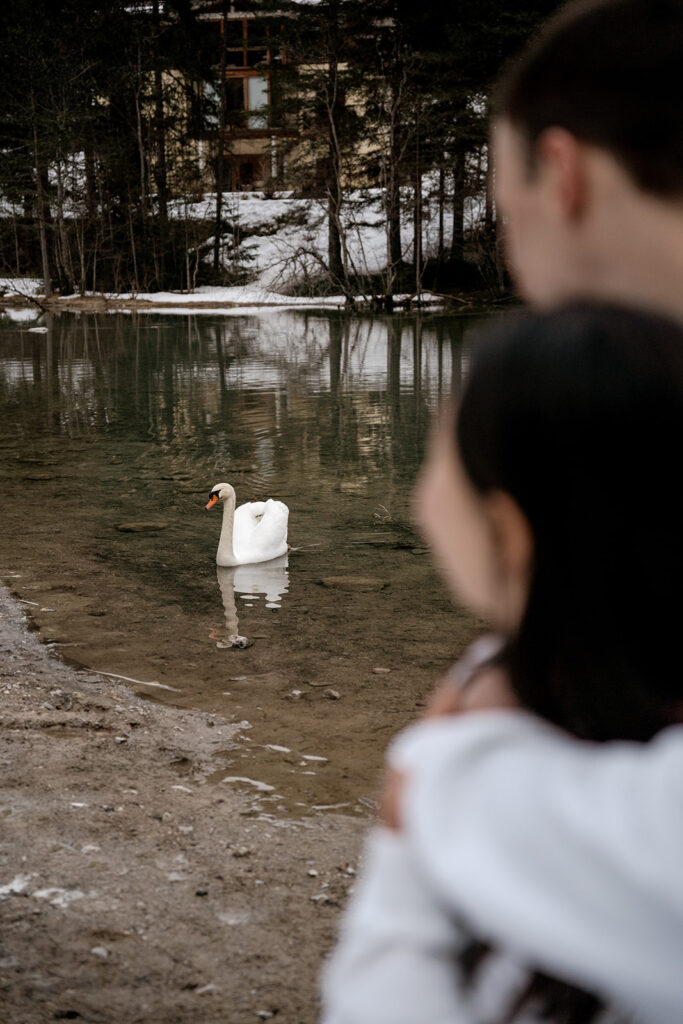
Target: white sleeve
[[567, 852], [395, 962]]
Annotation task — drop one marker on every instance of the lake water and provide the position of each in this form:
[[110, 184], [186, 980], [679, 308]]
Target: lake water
[[114, 428]]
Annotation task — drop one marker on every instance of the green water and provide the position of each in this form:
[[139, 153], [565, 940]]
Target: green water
[[119, 420]]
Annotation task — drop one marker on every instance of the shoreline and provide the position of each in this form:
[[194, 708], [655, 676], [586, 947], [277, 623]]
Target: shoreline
[[107, 304], [131, 886], [194, 302]]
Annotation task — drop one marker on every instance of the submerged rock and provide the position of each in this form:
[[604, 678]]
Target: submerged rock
[[359, 583], [141, 527]]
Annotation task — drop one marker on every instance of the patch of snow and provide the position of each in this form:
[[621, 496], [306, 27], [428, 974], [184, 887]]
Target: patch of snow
[[21, 286], [263, 787], [244, 299], [60, 898], [240, 295], [239, 917], [18, 884]]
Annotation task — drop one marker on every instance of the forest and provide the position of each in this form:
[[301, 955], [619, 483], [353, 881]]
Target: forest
[[128, 129]]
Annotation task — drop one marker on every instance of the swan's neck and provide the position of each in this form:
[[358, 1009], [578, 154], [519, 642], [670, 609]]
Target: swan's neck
[[226, 555]]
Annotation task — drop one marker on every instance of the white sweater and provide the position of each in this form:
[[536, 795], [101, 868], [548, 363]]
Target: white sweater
[[568, 855]]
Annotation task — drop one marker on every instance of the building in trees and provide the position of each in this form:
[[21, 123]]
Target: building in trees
[[238, 102], [124, 123]]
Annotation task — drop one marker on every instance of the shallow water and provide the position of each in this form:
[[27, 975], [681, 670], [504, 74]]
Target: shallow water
[[113, 429]]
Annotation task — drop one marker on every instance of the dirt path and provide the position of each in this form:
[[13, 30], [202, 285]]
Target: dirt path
[[130, 889]]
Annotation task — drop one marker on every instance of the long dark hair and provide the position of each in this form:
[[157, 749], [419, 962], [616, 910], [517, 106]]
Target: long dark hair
[[578, 415]]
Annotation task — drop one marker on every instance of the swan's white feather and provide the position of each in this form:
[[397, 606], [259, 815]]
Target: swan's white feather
[[259, 533]]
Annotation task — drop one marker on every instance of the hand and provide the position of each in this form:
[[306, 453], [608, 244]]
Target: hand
[[390, 800], [490, 688], [445, 699]]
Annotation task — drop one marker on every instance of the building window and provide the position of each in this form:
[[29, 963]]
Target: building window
[[246, 83], [246, 103], [246, 43], [257, 101]]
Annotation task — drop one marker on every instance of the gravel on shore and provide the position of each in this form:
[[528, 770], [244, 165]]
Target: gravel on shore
[[132, 889]]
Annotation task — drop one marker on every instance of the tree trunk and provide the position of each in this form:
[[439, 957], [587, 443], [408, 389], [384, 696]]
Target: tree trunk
[[220, 150], [334, 253], [394, 206], [90, 188], [42, 219], [333, 103], [417, 212], [458, 234], [490, 212], [64, 246], [393, 214], [160, 136], [441, 199], [334, 195], [133, 250], [393, 201], [142, 154], [16, 244]]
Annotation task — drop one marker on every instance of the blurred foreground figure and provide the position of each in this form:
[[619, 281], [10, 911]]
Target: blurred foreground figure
[[588, 146], [540, 836], [552, 512]]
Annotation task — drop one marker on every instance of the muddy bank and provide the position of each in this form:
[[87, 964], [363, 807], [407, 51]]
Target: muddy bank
[[106, 304], [131, 887]]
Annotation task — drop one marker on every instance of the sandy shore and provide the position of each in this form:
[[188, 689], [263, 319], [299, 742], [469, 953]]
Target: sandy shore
[[131, 889]]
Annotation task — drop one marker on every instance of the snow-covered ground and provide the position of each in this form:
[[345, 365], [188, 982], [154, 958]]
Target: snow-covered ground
[[241, 295], [207, 299], [278, 245], [27, 286], [286, 238]]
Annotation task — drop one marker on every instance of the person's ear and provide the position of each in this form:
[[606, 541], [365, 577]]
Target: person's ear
[[513, 540], [562, 158]]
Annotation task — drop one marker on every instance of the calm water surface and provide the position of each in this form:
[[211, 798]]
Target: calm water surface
[[113, 429]]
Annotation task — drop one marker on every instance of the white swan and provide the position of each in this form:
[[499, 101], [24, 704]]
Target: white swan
[[254, 532]]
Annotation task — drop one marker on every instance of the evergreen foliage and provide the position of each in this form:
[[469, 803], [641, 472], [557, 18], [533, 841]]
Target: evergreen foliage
[[104, 101]]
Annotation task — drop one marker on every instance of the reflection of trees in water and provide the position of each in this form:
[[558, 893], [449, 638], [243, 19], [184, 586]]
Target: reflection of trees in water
[[291, 391], [389, 423]]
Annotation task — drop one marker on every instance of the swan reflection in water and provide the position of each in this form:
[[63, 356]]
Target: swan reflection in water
[[251, 582]]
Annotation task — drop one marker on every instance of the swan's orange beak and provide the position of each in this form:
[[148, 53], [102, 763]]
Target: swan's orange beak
[[212, 501]]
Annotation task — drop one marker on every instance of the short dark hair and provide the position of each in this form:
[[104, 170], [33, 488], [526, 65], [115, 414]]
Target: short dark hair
[[578, 415], [609, 71]]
